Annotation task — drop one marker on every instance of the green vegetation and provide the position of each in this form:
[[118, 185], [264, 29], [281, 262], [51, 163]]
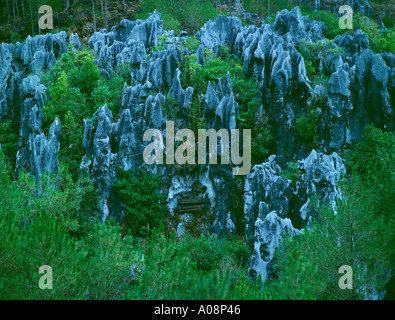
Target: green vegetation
[[245, 90], [55, 221], [16, 37], [202, 268], [144, 208], [308, 264], [9, 136], [192, 43], [314, 55], [76, 90], [388, 22], [42, 228], [292, 172], [306, 126], [330, 19], [360, 235], [379, 42], [263, 9], [110, 91], [161, 45], [103, 263], [373, 161], [180, 15], [70, 85]]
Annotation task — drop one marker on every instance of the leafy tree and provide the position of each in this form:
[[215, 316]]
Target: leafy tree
[[144, 208], [307, 125], [373, 161], [9, 137], [109, 92]]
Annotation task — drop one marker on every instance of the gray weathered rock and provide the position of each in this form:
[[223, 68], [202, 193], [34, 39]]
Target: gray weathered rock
[[36, 154], [271, 209], [221, 30], [75, 41], [45, 151]]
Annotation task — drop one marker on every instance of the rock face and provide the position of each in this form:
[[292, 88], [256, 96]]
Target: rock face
[[272, 208], [7, 80], [321, 176], [36, 154], [22, 99], [75, 41], [142, 108], [112, 145], [221, 30], [41, 52], [269, 53], [126, 43]]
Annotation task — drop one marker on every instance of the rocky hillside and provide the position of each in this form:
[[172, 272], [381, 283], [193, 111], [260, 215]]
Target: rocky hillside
[[312, 98]]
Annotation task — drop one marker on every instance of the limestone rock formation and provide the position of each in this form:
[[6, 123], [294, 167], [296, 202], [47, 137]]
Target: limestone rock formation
[[272, 208], [360, 91], [221, 30]]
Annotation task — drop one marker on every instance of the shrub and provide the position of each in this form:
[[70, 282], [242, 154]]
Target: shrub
[[379, 42], [292, 172], [112, 258], [33, 230], [109, 92], [104, 263], [192, 43], [388, 22], [9, 136], [144, 208], [161, 44], [330, 19], [171, 271], [314, 54], [16, 37], [306, 126], [70, 84], [373, 161]]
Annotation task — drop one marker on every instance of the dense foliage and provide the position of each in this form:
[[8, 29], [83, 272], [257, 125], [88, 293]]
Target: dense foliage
[[245, 90], [360, 235], [379, 42], [35, 229], [144, 207], [180, 15], [76, 89], [55, 222], [308, 264]]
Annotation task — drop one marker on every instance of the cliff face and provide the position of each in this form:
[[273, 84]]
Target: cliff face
[[360, 91]]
